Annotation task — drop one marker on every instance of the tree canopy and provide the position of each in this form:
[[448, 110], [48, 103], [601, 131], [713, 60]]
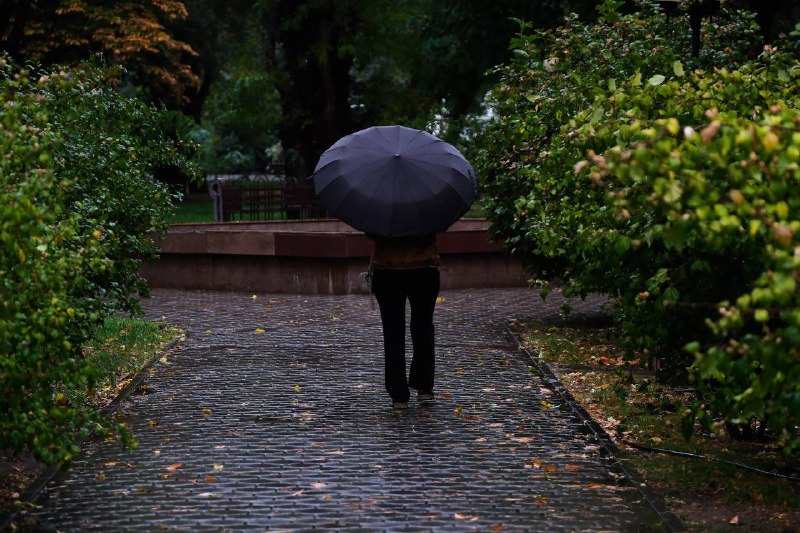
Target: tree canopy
[[325, 68]]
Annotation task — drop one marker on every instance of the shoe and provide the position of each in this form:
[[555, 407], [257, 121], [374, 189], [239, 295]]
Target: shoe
[[399, 405], [424, 396]]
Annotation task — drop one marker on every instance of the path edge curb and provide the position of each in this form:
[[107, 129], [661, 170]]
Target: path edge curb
[[669, 522], [36, 488]]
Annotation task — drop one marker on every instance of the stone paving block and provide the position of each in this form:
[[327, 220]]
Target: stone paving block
[[272, 417]]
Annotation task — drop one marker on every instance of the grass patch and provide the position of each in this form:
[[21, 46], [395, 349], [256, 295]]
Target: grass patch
[[633, 407], [193, 211], [121, 347]]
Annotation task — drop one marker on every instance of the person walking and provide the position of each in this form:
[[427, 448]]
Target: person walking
[[407, 268]]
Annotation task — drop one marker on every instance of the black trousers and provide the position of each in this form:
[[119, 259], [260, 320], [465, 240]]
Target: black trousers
[[392, 287]]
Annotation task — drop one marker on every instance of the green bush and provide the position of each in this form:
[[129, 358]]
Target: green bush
[[670, 187], [80, 209], [109, 146]]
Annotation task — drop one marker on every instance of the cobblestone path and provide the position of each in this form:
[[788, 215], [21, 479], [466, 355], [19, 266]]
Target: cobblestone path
[[272, 416]]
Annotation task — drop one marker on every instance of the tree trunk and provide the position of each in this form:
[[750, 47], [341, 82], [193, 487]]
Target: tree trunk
[[314, 83], [12, 36]]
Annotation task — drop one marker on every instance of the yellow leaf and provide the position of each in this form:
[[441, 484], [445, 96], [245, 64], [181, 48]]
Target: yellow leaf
[[260, 330], [206, 411], [297, 387], [770, 141], [782, 210], [439, 299]]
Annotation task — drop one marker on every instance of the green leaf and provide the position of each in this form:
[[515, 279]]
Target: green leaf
[[677, 68], [657, 79]]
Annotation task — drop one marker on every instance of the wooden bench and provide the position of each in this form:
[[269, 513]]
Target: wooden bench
[[249, 197]]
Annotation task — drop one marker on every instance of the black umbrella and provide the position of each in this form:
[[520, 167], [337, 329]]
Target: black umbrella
[[395, 182]]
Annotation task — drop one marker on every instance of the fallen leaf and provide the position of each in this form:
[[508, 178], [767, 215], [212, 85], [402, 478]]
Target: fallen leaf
[[540, 501], [209, 479], [734, 521], [572, 468], [550, 468], [101, 476], [468, 518], [206, 411], [217, 468], [522, 440], [319, 485], [497, 527], [174, 466], [298, 493], [206, 495], [297, 387], [260, 330]]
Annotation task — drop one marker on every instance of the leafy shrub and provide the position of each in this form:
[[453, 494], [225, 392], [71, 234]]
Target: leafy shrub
[[110, 167], [79, 213], [671, 188], [556, 74]]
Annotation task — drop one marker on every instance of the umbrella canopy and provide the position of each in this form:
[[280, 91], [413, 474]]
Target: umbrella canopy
[[395, 181]]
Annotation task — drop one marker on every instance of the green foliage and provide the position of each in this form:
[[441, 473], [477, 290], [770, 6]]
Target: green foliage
[[79, 212], [40, 335], [108, 147], [618, 166], [239, 123]]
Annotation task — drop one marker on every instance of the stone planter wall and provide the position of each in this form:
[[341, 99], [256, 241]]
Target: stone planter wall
[[312, 257]]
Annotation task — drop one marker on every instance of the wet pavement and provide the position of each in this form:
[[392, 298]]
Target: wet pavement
[[271, 416]]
